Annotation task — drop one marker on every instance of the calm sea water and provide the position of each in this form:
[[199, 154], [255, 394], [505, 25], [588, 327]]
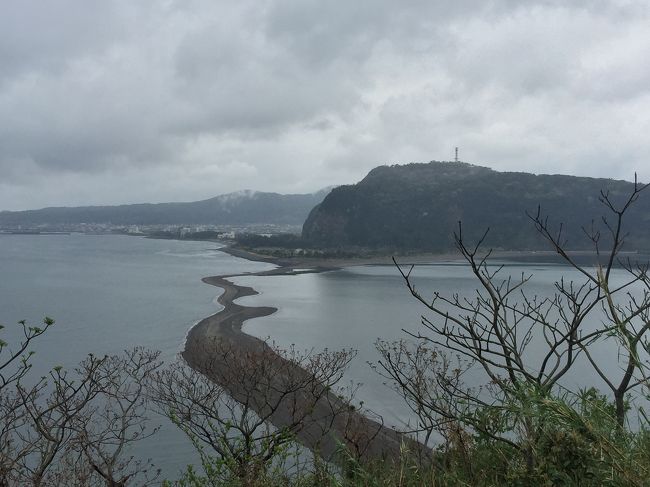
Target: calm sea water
[[109, 293], [357, 306]]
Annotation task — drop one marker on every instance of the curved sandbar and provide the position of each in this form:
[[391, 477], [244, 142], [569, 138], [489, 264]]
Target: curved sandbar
[[329, 424], [227, 322]]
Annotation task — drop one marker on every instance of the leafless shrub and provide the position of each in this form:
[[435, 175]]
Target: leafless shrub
[[229, 407], [524, 344], [73, 428]]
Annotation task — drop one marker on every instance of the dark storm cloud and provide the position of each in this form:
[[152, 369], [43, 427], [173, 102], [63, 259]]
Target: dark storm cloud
[[187, 99]]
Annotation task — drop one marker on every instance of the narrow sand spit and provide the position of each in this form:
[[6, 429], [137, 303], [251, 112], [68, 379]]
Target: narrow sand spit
[[327, 425], [375, 440]]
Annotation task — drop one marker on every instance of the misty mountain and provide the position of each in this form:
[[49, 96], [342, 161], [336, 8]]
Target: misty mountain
[[244, 207], [418, 206]]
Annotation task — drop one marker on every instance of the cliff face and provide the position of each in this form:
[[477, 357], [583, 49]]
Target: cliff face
[[326, 227], [418, 207]]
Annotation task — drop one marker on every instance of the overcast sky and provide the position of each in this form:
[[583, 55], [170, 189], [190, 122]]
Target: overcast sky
[[106, 102]]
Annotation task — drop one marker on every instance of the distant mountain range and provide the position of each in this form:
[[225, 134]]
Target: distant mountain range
[[394, 208], [243, 207], [418, 207]]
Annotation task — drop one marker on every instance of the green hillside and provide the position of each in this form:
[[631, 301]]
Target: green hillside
[[418, 207]]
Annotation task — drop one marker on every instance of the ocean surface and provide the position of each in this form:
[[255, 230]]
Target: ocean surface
[[109, 293], [357, 306]]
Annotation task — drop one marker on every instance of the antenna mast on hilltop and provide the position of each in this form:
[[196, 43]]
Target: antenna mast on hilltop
[[456, 157]]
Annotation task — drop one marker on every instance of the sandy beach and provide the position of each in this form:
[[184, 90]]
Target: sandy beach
[[329, 422]]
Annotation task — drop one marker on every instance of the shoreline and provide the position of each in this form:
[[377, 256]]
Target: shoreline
[[513, 256], [204, 339], [322, 264], [329, 423]]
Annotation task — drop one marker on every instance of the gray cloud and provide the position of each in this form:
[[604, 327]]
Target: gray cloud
[[118, 101]]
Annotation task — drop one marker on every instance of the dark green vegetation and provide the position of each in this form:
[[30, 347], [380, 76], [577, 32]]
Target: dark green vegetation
[[519, 426], [234, 208], [418, 207], [284, 240], [287, 245]]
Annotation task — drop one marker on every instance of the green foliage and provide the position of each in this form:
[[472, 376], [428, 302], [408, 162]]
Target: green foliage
[[15, 358], [577, 442], [418, 206], [281, 240], [579, 445]]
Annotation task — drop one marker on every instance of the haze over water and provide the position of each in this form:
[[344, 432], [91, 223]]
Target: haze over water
[[109, 293]]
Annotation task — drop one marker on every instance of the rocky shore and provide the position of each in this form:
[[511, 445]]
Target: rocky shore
[[330, 421]]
